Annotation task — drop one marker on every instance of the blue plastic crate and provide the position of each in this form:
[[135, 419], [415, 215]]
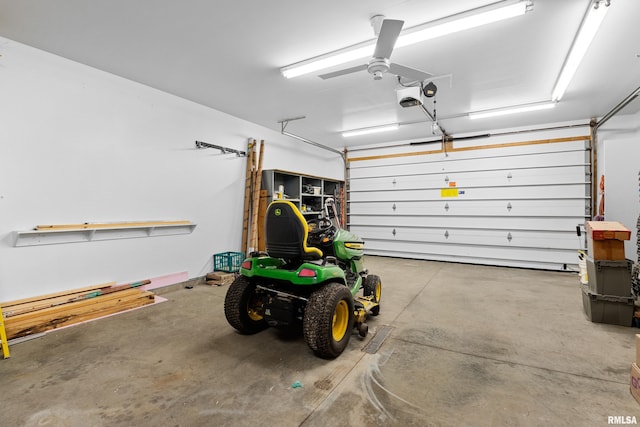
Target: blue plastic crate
[[228, 261]]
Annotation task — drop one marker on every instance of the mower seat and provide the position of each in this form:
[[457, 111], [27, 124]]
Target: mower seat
[[286, 233]]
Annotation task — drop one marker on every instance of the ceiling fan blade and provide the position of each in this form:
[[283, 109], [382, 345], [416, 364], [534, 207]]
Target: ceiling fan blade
[[389, 33], [343, 72], [408, 72]]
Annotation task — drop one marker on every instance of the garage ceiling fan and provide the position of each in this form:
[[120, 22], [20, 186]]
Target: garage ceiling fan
[[388, 31]]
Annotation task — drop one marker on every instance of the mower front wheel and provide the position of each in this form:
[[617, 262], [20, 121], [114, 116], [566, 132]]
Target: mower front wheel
[[373, 287], [328, 320], [242, 308]]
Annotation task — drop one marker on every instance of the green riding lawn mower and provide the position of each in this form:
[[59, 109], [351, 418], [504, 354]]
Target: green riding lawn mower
[[310, 275]]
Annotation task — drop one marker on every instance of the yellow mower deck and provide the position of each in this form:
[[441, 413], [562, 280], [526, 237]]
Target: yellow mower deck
[[363, 305]]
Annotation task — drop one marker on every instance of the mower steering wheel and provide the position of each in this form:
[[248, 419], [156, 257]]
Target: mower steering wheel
[[319, 225]]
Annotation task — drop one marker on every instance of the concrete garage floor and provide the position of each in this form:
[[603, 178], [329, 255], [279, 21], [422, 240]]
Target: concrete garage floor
[[466, 345]]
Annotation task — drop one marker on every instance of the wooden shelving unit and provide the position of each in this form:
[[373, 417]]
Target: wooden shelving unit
[[307, 192]]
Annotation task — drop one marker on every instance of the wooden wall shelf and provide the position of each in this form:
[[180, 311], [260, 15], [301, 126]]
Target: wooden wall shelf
[[73, 233]]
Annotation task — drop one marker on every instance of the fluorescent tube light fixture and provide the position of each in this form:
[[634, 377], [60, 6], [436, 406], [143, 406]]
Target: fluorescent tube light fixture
[[329, 60], [367, 131], [463, 21], [511, 110], [586, 33]]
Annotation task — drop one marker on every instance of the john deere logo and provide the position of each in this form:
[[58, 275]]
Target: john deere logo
[[277, 212]]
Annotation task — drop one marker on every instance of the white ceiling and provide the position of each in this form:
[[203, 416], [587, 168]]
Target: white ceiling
[[226, 54]]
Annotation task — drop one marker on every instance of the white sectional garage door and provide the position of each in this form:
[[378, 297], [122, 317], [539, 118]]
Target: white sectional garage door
[[512, 205]]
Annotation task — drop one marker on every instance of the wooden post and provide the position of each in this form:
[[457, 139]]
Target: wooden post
[[3, 338], [343, 190], [255, 206], [247, 196], [262, 213], [254, 166]]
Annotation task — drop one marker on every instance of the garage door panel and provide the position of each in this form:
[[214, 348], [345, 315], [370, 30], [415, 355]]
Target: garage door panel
[[477, 193], [532, 262], [484, 254], [377, 157], [453, 165], [516, 208], [482, 237], [552, 175], [498, 222]]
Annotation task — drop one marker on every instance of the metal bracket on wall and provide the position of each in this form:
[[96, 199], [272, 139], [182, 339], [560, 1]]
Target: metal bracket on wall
[[224, 150], [283, 127]]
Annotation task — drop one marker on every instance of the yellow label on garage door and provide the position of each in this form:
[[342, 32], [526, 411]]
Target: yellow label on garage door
[[449, 192]]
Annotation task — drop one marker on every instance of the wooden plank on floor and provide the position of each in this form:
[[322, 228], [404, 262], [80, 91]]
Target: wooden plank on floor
[[75, 312], [18, 309], [27, 307], [218, 278], [82, 303], [36, 299], [73, 318]]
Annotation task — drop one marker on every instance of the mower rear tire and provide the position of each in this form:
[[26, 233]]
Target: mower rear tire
[[328, 320], [242, 308]]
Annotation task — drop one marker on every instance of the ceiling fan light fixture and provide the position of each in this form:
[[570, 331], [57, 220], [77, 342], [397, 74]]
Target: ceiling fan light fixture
[[462, 21], [511, 110], [368, 131], [586, 33]]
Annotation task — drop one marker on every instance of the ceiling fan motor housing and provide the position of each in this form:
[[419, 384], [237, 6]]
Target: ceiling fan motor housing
[[377, 67]]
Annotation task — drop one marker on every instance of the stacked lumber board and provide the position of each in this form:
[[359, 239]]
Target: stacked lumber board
[[219, 278], [40, 314]]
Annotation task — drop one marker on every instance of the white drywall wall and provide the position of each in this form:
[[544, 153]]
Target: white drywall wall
[[619, 149], [81, 145]]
